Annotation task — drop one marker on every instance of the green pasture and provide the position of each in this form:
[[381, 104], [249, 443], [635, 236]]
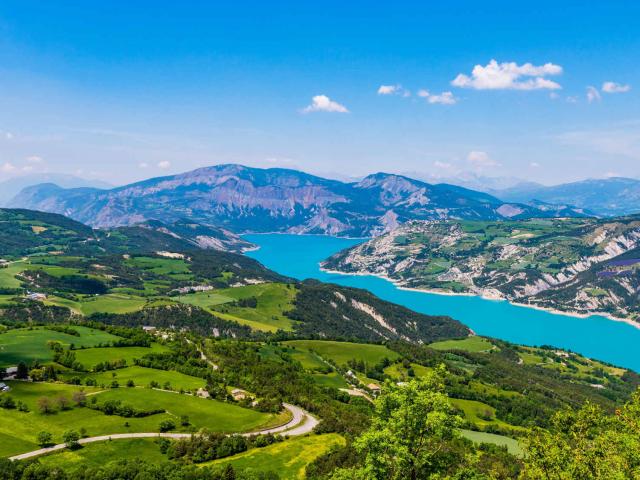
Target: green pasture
[[92, 356], [29, 344], [288, 459], [142, 377], [512, 444], [342, 352], [472, 344]]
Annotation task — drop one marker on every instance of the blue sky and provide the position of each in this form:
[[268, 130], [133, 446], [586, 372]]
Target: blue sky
[[127, 90]]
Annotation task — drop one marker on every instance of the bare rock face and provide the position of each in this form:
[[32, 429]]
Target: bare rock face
[[245, 199]]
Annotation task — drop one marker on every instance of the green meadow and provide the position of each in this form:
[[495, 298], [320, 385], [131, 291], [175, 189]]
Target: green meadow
[[19, 430], [31, 344], [272, 300], [288, 459], [142, 377], [472, 344], [101, 453], [342, 352], [92, 356], [512, 444], [202, 413], [8, 275]]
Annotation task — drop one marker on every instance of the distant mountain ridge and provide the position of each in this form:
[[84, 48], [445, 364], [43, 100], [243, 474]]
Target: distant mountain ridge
[[605, 197], [10, 188], [244, 199]]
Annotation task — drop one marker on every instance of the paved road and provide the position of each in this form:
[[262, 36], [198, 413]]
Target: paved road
[[301, 423]]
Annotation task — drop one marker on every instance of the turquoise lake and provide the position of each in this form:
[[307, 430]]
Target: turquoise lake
[[298, 256]]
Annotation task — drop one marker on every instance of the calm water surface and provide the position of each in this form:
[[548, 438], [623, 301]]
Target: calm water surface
[[298, 256]]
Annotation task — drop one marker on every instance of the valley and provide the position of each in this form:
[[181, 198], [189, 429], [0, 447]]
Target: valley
[[135, 338]]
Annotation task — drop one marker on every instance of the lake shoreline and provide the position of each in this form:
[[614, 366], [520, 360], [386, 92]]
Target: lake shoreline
[[553, 311]]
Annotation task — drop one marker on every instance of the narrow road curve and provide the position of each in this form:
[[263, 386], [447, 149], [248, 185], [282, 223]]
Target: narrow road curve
[[301, 423]]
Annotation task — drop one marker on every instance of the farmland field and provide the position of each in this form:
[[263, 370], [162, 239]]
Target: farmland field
[[473, 344], [31, 344], [211, 414], [92, 356], [289, 459], [19, 429], [272, 300], [482, 437], [342, 352], [142, 377], [101, 453]]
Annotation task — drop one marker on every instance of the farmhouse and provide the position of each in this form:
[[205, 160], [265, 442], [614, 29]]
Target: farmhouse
[[375, 389], [239, 394], [38, 297]]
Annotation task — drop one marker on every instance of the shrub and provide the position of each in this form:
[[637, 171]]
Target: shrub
[[167, 425]]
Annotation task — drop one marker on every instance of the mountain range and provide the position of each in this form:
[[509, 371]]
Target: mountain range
[[10, 188], [244, 199], [604, 197]]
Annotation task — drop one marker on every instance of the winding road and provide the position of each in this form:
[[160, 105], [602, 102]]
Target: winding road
[[301, 423]]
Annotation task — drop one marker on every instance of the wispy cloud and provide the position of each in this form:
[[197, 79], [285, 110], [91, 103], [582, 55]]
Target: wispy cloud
[[444, 98], [481, 160], [593, 95], [322, 103], [621, 141], [509, 76], [613, 87], [164, 164]]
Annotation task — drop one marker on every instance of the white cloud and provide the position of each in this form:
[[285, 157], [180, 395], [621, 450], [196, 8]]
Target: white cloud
[[28, 168], [509, 76], [164, 164], [572, 99], [143, 165], [8, 135], [534, 165], [593, 94], [322, 103], [613, 87], [34, 159], [7, 167], [445, 98], [442, 165], [388, 89], [481, 159]]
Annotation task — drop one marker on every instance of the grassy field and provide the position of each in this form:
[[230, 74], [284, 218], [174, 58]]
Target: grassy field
[[481, 437], [480, 414], [18, 430], [211, 414], [332, 379], [176, 268], [273, 299], [31, 344], [342, 352], [92, 356], [101, 453], [8, 275], [288, 459], [469, 344], [399, 373], [112, 303], [109, 303], [142, 377]]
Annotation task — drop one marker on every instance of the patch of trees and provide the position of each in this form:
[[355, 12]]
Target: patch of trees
[[210, 446], [187, 317], [327, 311], [117, 407], [133, 469]]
